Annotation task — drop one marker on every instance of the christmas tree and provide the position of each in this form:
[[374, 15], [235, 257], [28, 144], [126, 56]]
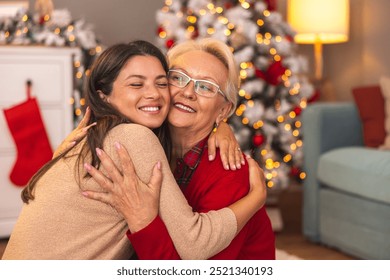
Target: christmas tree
[[273, 91]]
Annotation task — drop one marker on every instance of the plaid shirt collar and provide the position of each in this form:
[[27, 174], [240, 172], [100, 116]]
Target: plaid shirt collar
[[186, 166]]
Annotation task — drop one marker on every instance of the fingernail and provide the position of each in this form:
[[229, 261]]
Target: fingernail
[[243, 162], [234, 167], [73, 143], [227, 166], [117, 145], [84, 194], [211, 157], [87, 109], [99, 152], [87, 166], [158, 165], [238, 166]]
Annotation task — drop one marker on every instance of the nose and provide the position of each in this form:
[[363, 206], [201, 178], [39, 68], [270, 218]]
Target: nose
[[189, 91], [152, 92]]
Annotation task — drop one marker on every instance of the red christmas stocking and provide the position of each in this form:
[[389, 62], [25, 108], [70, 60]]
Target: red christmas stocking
[[28, 131]]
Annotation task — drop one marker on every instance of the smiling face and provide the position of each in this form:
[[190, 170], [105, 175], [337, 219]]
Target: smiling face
[[190, 111], [141, 92]]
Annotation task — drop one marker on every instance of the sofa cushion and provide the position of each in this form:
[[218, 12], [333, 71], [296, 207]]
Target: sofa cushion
[[357, 170]]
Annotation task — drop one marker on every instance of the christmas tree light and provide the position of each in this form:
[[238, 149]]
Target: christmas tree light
[[273, 91]]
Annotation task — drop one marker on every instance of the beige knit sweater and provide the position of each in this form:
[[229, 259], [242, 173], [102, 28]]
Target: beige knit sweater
[[62, 224]]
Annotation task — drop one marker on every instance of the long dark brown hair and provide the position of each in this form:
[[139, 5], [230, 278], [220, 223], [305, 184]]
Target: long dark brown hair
[[104, 72]]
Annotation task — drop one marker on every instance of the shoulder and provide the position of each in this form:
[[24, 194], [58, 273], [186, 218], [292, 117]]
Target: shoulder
[[215, 176], [132, 137], [130, 132], [131, 129], [216, 167]]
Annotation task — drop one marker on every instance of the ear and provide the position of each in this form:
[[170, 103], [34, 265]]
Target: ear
[[224, 110], [104, 97]]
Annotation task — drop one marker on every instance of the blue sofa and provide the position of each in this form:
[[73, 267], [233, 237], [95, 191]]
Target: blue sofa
[[346, 193]]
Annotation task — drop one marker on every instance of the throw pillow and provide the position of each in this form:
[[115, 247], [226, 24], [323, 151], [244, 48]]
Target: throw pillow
[[385, 86], [370, 103]]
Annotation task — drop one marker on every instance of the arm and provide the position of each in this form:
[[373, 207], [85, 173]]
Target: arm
[[247, 206], [211, 192], [196, 236], [230, 152], [76, 135], [144, 238]]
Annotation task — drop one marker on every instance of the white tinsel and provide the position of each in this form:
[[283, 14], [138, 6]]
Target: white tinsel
[[254, 87], [61, 18], [196, 5], [85, 34], [237, 13], [244, 55], [49, 38], [260, 6], [255, 112]]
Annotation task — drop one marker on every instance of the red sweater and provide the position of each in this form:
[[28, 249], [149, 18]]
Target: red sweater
[[211, 188]]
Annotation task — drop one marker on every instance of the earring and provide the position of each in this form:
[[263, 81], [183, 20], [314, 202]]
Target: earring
[[215, 127]]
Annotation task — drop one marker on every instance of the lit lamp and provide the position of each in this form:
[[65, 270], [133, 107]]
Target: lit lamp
[[319, 22]]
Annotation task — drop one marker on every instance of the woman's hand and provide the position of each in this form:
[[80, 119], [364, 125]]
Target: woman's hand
[[230, 152], [76, 135], [136, 201]]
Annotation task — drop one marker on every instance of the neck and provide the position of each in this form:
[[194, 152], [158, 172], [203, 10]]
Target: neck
[[183, 140]]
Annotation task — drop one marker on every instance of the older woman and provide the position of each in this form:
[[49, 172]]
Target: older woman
[[203, 84]]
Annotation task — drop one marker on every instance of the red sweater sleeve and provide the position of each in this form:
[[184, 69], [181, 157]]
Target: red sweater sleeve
[[153, 242]]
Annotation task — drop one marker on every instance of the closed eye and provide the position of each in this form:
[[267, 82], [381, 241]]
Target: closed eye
[[136, 85], [162, 85]]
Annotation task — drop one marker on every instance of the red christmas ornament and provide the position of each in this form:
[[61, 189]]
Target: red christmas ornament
[[169, 43], [258, 139], [294, 171], [228, 5], [160, 29], [41, 20], [289, 38], [271, 5], [273, 73], [195, 34], [297, 110], [315, 96]]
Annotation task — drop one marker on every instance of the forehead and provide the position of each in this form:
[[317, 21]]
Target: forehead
[[200, 64], [143, 65]]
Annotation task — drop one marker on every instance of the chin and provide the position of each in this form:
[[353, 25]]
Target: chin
[[153, 125]]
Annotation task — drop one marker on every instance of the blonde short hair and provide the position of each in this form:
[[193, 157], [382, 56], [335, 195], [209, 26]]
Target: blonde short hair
[[221, 51]]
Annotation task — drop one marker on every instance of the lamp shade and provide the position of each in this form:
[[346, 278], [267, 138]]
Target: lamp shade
[[319, 21]]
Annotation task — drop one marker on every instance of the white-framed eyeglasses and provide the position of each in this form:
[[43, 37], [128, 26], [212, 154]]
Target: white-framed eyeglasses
[[202, 87]]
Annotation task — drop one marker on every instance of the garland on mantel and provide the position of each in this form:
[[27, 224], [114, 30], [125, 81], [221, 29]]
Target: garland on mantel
[[56, 29]]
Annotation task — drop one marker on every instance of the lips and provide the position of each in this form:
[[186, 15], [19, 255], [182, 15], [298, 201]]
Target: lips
[[184, 107]]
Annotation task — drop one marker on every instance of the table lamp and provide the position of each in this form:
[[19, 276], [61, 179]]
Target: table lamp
[[319, 22]]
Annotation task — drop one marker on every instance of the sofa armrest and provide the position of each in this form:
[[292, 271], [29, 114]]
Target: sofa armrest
[[325, 126]]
